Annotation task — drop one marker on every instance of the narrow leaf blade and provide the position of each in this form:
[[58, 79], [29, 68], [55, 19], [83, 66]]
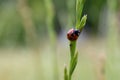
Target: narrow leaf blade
[[79, 8], [65, 73], [73, 63]]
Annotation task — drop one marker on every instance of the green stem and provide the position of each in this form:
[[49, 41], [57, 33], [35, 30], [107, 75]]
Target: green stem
[[70, 75], [72, 52], [80, 23], [73, 59], [72, 48], [52, 34]]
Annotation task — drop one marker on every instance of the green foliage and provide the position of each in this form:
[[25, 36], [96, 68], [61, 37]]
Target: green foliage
[[113, 60], [65, 74], [80, 23], [11, 30], [79, 8], [73, 64], [50, 15], [11, 26]]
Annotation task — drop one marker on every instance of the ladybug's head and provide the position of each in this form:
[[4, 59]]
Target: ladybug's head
[[77, 32]]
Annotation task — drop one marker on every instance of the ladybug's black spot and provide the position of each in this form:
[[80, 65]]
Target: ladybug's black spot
[[77, 32]]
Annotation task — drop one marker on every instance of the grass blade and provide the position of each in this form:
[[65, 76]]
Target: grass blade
[[79, 8]]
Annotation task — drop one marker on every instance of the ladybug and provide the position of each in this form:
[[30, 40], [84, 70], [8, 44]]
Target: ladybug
[[73, 34]]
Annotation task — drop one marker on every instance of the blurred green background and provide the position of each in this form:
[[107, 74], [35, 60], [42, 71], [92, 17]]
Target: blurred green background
[[33, 44]]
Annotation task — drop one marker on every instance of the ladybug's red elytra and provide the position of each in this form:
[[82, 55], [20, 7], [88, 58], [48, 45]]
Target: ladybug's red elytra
[[73, 34]]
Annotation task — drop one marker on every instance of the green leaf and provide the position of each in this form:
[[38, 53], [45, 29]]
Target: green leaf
[[65, 74], [79, 8], [73, 64], [82, 23]]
